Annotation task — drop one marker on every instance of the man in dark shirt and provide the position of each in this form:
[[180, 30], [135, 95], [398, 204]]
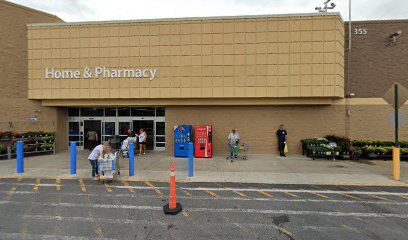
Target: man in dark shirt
[[130, 133], [282, 137]]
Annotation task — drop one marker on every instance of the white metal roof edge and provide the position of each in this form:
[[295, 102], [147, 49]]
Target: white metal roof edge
[[186, 19], [396, 20]]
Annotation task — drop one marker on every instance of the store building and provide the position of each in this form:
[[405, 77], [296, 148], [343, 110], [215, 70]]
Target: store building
[[251, 73]]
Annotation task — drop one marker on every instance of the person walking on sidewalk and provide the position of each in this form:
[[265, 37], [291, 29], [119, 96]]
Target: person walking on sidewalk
[[282, 135], [94, 156], [233, 140]]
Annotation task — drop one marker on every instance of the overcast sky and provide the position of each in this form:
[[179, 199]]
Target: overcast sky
[[96, 10]]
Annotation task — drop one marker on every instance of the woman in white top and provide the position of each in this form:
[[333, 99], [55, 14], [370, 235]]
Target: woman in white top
[[142, 141]]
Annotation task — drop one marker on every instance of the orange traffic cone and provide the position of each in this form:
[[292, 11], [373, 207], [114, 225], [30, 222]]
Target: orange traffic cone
[[173, 207]]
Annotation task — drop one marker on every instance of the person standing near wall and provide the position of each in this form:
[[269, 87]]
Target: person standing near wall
[[282, 135], [92, 136], [233, 140]]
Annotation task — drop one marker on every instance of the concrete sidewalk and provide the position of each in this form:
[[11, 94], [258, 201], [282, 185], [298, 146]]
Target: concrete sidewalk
[[155, 165]]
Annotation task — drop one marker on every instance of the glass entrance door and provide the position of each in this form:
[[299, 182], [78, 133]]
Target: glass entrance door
[[110, 121], [123, 127], [148, 126], [109, 130]]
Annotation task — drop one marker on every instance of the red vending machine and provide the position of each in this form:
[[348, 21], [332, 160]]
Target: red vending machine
[[203, 141]]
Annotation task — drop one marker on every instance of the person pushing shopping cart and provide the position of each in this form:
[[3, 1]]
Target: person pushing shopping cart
[[233, 141], [237, 150]]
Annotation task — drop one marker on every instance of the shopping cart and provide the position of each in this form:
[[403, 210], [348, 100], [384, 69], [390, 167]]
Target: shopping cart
[[239, 151], [107, 167], [125, 146]]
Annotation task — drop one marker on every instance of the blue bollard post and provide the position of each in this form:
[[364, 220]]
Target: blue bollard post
[[190, 159], [131, 159], [20, 157], [73, 157]]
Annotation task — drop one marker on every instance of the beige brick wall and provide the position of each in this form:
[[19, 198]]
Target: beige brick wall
[[257, 125], [275, 57], [15, 108], [376, 63]]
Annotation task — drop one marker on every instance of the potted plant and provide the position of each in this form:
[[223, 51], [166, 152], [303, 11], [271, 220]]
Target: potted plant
[[7, 135], [370, 151], [49, 133], [357, 151]]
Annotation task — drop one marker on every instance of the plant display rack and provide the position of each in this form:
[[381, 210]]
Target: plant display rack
[[35, 143], [351, 149]]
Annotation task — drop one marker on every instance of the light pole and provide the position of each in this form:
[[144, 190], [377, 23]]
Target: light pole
[[325, 7], [348, 110]]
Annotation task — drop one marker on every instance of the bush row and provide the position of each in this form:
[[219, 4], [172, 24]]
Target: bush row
[[11, 135], [33, 141], [28, 148], [345, 146]]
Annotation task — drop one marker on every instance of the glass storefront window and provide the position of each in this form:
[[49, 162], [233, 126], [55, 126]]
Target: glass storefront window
[[109, 128], [73, 112], [92, 112], [73, 128], [110, 112], [123, 112], [143, 112], [160, 128], [117, 120], [123, 127], [160, 112], [161, 139]]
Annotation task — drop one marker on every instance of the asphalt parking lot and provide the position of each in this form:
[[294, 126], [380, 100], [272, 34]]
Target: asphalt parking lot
[[35, 208]]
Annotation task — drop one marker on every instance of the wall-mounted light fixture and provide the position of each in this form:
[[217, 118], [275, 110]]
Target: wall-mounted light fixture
[[394, 37]]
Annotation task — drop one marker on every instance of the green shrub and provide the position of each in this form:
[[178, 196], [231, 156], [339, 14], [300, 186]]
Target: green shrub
[[49, 133], [318, 149], [404, 151], [376, 143], [3, 149], [377, 150], [359, 143], [315, 141], [7, 134], [403, 144], [369, 149], [46, 147], [343, 143], [357, 151], [29, 148]]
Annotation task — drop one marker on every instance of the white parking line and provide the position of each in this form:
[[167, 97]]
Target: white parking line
[[235, 189], [92, 219], [4, 235], [219, 210], [139, 221], [119, 195]]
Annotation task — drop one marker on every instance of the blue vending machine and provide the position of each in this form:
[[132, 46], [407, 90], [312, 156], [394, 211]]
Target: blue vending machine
[[182, 136]]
